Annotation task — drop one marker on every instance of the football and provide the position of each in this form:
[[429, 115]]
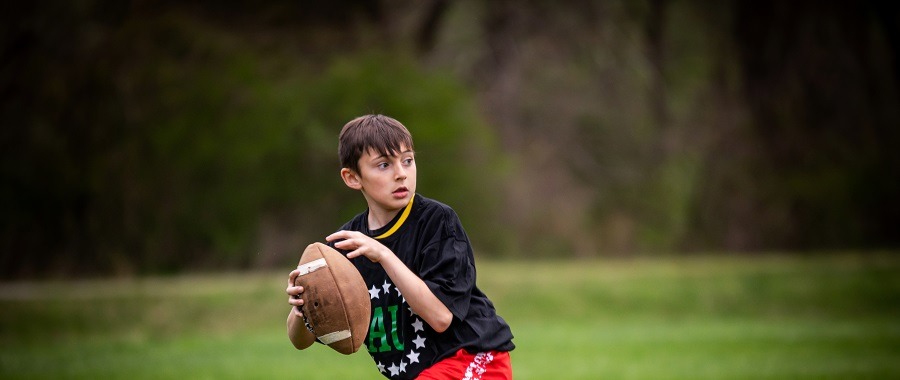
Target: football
[[335, 298]]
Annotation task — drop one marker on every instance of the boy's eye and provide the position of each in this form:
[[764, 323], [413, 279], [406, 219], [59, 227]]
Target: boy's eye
[[382, 165], [408, 161]]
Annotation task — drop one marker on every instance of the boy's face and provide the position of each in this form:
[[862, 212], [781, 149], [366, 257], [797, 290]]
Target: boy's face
[[387, 181]]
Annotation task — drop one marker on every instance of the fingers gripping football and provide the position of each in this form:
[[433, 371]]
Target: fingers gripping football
[[294, 293], [359, 245]]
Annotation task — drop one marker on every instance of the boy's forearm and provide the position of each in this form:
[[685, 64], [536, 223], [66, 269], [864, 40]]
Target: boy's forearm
[[417, 294], [299, 335]]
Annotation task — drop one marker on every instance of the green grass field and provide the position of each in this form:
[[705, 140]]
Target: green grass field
[[728, 317]]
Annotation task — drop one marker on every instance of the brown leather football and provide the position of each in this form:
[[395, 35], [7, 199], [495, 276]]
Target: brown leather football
[[335, 298]]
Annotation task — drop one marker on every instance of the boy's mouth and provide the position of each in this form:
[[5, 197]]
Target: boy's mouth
[[401, 192]]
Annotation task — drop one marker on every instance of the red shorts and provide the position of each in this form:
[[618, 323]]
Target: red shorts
[[491, 365]]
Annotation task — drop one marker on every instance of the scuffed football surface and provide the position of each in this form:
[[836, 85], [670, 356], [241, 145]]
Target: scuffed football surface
[[335, 298]]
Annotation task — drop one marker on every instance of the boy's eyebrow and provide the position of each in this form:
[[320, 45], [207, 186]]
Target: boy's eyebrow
[[385, 155]]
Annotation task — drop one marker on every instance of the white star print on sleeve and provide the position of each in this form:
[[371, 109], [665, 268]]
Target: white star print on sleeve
[[374, 292], [413, 357], [386, 287], [380, 367]]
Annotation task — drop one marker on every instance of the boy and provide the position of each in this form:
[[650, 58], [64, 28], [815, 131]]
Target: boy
[[429, 320]]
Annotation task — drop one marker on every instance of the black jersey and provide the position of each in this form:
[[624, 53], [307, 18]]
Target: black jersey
[[428, 237]]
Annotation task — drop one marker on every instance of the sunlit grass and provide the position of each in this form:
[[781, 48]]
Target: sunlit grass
[[774, 316]]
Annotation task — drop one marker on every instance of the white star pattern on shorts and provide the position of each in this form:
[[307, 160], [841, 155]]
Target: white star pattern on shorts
[[374, 292], [478, 366]]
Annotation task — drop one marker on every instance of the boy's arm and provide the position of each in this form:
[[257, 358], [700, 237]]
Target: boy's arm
[[417, 294], [296, 328]]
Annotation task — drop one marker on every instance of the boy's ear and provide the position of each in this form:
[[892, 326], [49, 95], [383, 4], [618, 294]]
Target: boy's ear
[[351, 179]]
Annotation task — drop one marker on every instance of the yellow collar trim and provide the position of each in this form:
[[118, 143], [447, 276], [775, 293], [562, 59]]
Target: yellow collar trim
[[400, 221]]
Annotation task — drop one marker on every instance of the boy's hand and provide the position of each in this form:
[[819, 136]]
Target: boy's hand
[[359, 244], [294, 292]]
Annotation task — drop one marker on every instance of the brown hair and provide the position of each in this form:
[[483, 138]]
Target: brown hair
[[381, 133]]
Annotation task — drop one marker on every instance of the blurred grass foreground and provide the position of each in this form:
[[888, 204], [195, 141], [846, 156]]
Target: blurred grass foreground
[[830, 316]]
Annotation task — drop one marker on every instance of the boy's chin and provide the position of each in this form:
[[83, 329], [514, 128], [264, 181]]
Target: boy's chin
[[400, 201]]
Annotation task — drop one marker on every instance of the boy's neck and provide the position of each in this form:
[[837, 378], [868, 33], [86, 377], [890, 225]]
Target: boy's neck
[[379, 218]]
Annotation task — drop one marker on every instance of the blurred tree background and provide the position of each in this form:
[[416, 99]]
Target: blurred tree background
[[163, 136]]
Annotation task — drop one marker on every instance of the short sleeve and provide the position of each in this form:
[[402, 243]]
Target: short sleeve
[[447, 267]]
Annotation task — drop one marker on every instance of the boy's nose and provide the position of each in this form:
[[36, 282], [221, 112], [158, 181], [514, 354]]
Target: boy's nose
[[400, 172]]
